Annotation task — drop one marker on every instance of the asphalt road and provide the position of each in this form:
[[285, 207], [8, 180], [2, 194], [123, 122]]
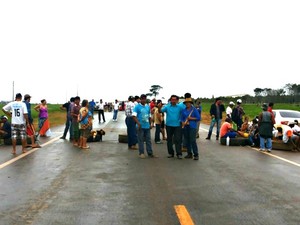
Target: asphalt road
[[109, 184]]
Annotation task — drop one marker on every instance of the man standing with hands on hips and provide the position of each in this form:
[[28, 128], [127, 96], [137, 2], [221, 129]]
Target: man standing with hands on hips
[[17, 110]]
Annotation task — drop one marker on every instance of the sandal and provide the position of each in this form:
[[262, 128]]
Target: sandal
[[87, 147]]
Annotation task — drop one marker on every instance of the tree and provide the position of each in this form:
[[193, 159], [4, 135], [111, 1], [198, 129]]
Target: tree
[[155, 89]]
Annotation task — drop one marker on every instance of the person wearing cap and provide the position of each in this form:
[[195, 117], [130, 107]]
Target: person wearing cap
[[265, 126], [142, 115], [173, 126], [296, 128], [30, 129], [130, 124], [288, 136], [19, 121], [216, 111], [189, 118], [5, 128], [229, 109], [237, 114]]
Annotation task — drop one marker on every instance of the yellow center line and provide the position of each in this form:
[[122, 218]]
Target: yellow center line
[[26, 153], [183, 215]]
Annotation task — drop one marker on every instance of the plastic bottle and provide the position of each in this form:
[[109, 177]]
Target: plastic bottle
[[227, 141]]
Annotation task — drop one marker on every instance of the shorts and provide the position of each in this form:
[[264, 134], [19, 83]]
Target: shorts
[[18, 130]]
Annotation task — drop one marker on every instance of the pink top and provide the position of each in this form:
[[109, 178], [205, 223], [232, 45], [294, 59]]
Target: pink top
[[43, 112]]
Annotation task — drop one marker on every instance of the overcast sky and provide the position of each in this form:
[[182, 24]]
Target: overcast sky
[[113, 49]]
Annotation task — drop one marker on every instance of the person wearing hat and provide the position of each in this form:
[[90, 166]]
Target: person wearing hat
[[130, 124], [19, 121], [142, 115], [237, 114], [189, 118], [265, 126], [5, 129], [216, 111], [229, 109]]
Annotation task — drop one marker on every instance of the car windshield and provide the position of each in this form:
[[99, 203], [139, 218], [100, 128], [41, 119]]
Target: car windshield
[[290, 114]]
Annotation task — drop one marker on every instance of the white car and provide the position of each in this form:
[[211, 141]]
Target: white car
[[283, 116]]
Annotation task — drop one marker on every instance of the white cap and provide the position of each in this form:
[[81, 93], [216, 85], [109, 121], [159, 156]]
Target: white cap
[[239, 101], [231, 103]]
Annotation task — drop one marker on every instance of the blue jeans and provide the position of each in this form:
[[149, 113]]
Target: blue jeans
[[212, 124], [115, 114], [131, 131], [268, 143], [68, 127], [157, 132], [144, 135], [174, 135], [190, 140]]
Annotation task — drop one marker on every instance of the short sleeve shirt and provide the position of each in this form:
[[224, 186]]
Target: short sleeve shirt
[[18, 109]]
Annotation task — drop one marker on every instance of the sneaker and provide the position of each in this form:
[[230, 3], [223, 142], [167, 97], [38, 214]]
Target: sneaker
[[158, 142], [196, 157], [170, 156], [142, 156], [62, 137], [188, 156], [268, 150], [208, 138], [179, 157], [261, 150]]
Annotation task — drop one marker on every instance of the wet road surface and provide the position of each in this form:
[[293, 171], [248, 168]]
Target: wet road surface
[[109, 184]]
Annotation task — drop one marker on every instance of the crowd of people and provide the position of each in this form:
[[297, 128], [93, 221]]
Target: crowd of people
[[260, 132], [175, 122]]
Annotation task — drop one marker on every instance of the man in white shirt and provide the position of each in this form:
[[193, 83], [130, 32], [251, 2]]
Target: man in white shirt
[[17, 110], [100, 107], [229, 109]]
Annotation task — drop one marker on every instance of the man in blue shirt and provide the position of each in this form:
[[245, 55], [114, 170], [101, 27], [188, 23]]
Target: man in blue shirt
[[141, 115], [173, 126]]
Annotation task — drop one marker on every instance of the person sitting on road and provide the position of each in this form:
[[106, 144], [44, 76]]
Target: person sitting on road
[[253, 133], [5, 129], [227, 130], [286, 132], [296, 128]]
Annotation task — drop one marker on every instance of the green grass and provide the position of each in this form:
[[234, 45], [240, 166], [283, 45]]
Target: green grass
[[56, 116]]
